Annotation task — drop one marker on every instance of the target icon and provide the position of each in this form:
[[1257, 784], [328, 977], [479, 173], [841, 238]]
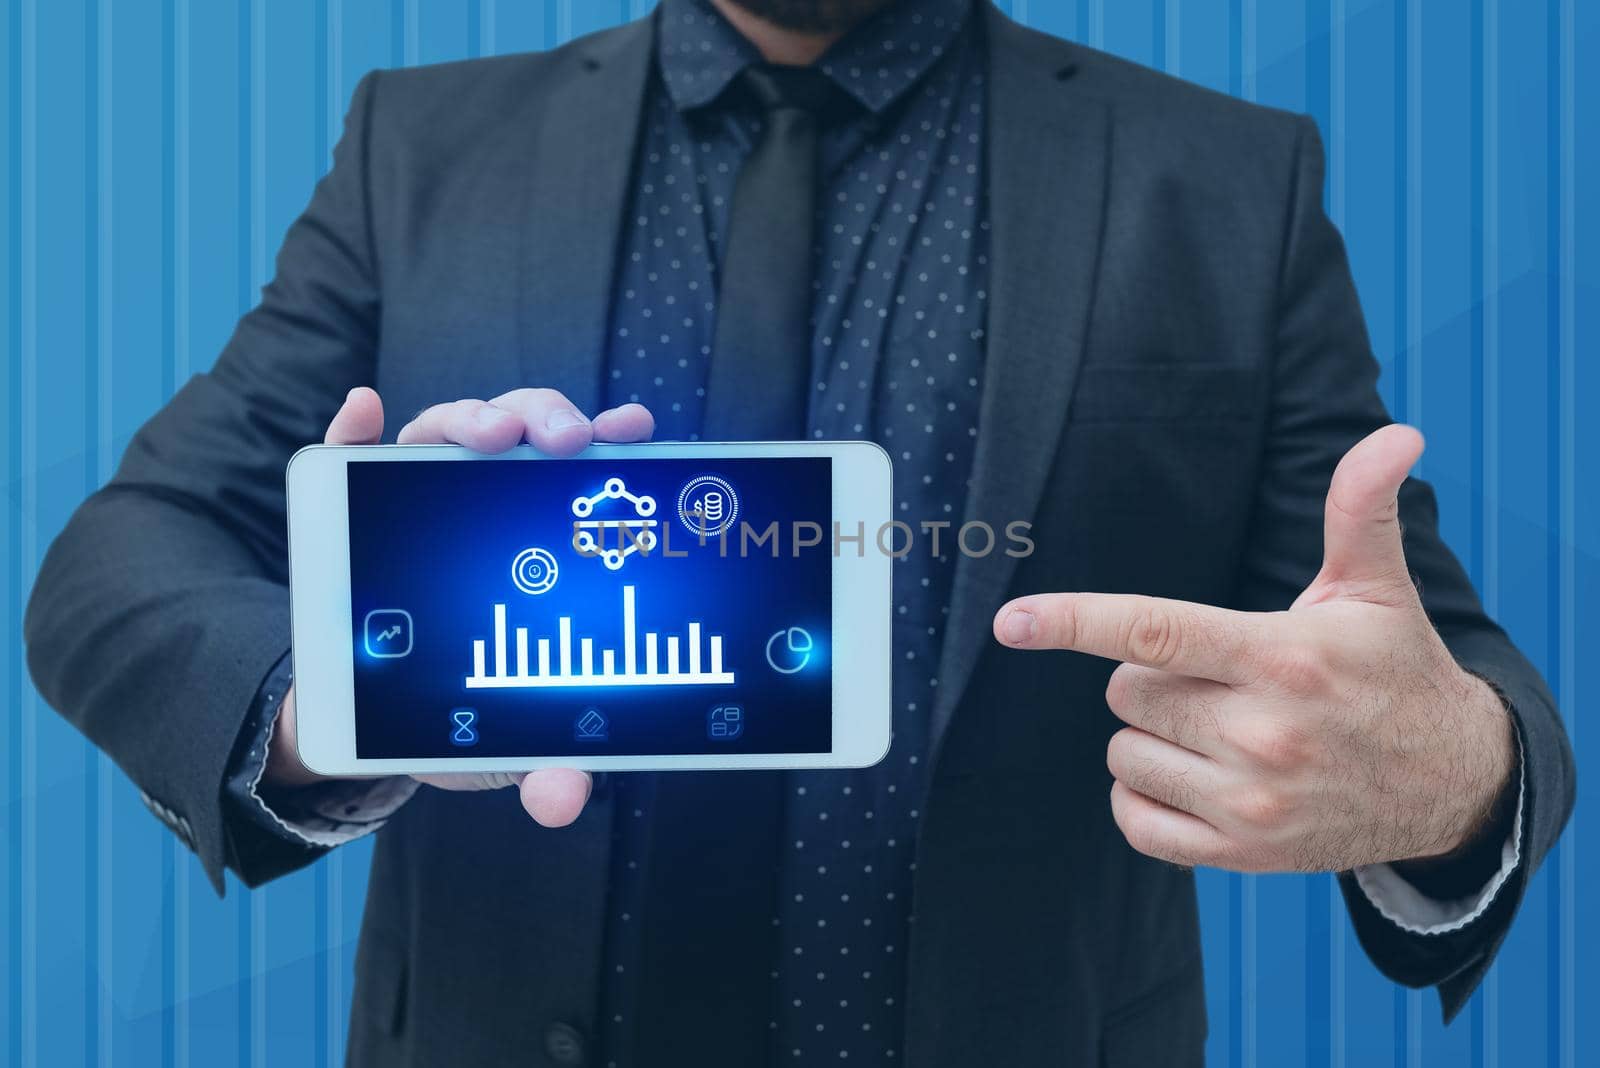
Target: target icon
[[534, 571]]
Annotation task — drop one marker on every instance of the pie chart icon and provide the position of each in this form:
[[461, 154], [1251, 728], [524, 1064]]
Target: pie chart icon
[[789, 650]]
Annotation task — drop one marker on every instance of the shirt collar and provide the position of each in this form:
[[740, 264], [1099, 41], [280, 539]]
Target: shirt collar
[[876, 63]]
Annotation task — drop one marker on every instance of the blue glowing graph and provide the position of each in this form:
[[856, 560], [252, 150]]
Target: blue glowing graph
[[688, 670]]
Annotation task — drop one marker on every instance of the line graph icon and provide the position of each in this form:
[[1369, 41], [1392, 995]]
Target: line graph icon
[[631, 535], [682, 665], [387, 633]]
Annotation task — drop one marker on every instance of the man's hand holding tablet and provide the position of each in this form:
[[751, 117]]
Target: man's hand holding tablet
[[609, 611], [542, 418]]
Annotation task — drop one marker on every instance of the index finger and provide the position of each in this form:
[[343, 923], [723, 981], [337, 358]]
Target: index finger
[[1198, 640]]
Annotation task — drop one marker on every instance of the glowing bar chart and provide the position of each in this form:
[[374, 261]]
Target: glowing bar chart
[[504, 674]]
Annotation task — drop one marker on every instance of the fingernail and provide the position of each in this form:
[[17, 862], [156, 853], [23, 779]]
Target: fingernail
[[1019, 626], [489, 415], [563, 418]]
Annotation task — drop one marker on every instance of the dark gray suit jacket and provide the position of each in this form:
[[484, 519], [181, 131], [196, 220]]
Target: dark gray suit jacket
[[1176, 361]]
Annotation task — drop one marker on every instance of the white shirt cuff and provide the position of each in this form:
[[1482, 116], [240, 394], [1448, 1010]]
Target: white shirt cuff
[[1411, 910], [333, 813]]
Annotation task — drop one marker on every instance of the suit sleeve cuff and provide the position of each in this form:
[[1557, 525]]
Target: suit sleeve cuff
[[1408, 908], [327, 814], [274, 829]]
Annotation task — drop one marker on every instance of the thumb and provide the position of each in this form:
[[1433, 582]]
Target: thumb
[[1362, 554], [359, 420]]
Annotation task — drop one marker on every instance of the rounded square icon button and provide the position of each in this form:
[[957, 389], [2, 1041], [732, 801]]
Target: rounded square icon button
[[724, 723], [388, 633]]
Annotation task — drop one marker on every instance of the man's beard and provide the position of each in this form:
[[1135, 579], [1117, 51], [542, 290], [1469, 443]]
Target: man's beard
[[814, 16]]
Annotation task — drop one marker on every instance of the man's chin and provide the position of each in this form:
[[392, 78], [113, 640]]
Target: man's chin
[[813, 16]]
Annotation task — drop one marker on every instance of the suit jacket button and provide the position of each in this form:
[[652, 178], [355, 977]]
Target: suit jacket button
[[564, 1044]]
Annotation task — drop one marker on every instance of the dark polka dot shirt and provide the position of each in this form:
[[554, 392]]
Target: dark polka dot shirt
[[901, 276]]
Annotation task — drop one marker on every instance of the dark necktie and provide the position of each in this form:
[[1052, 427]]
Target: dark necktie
[[711, 881], [759, 383]]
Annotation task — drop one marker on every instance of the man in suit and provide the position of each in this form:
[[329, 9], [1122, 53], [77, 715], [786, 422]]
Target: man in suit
[[1059, 289]]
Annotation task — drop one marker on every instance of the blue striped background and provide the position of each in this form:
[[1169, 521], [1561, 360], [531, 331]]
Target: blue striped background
[[157, 149]]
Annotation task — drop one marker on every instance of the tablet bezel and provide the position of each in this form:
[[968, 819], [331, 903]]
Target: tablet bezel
[[323, 654]]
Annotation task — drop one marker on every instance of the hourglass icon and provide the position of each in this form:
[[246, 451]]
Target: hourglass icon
[[463, 732]]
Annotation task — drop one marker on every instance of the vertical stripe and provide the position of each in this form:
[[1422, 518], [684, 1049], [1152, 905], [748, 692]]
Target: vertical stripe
[[320, 973], [411, 36], [92, 304], [1567, 495], [177, 865], [1475, 256], [181, 362], [105, 887], [1491, 316], [1414, 185], [1400, 378], [169, 995], [1248, 956], [1248, 72], [333, 103], [1174, 37], [1557, 671], [1397, 1002], [168, 207], [14, 684], [1235, 969], [333, 866], [92, 392], [1235, 47], [1158, 34], [322, 79], [1336, 974], [27, 1018], [486, 28], [1097, 23], [1337, 147], [187, 871]]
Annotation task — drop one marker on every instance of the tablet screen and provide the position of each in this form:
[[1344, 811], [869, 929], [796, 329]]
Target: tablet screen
[[576, 607]]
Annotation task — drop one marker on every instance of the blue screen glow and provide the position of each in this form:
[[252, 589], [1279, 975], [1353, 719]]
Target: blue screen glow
[[561, 607]]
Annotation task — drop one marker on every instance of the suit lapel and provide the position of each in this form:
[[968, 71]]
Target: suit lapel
[[1047, 174], [578, 175]]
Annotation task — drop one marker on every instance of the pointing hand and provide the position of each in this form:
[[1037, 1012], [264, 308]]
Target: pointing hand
[[1337, 733]]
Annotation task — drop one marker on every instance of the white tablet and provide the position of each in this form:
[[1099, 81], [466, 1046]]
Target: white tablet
[[637, 607]]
